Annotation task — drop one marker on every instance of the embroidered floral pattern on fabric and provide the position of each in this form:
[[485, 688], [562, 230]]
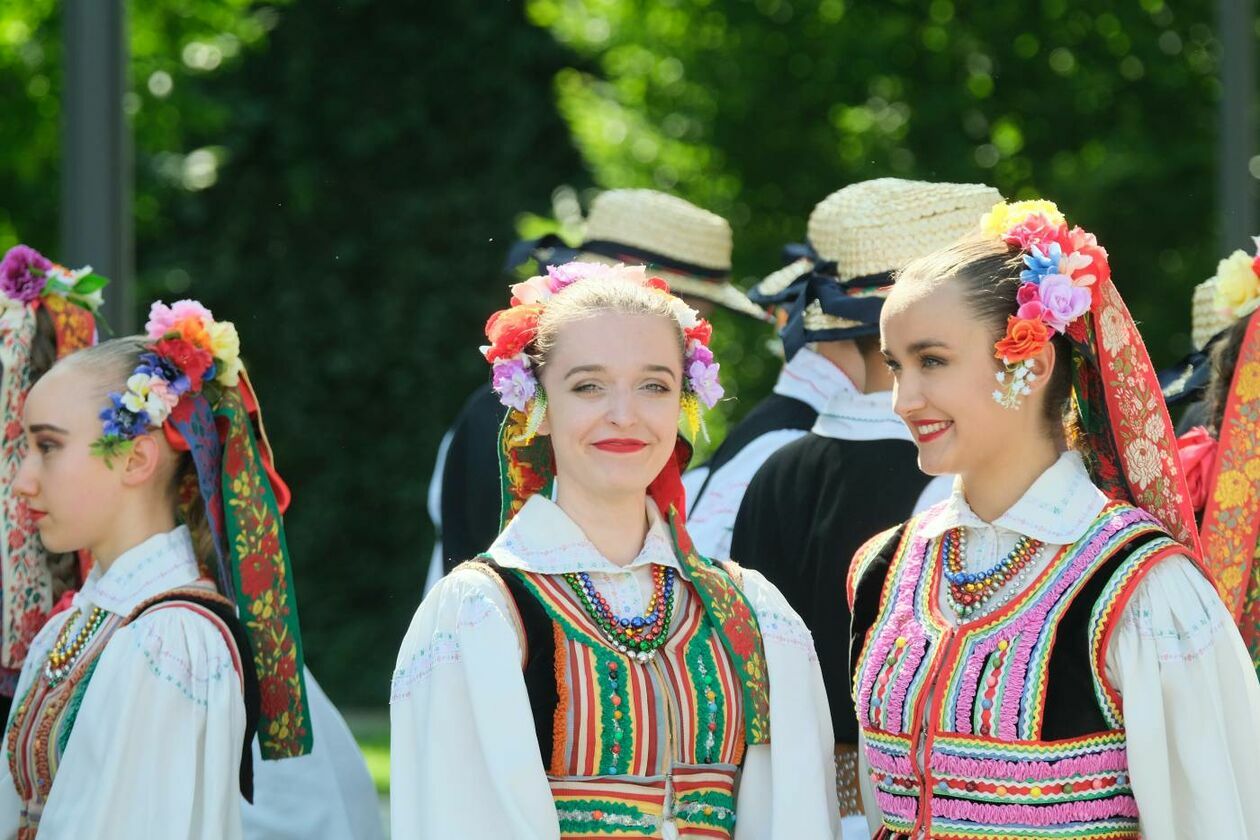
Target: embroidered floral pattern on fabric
[[1133, 397], [27, 590], [1231, 518]]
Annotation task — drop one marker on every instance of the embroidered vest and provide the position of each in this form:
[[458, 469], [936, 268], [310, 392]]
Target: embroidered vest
[[44, 718], [629, 745], [1005, 726]]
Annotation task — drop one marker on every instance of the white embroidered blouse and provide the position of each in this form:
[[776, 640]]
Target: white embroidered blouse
[[463, 743], [156, 748]]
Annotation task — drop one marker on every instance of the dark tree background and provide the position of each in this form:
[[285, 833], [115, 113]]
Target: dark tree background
[[342, 180]]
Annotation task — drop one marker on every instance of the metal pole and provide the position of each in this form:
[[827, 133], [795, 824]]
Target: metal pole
[[1238, 134], [96, 221]]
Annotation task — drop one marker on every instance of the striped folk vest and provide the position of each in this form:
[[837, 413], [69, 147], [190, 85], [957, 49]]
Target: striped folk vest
[[629, 745], [44, 717], [1004, 726]]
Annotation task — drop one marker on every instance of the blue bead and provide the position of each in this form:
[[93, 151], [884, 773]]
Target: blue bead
[[636, 622], [625, 622], [986, 703], [713, 707]]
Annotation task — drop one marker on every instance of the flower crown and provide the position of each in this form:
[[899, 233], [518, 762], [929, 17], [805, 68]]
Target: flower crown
[[191, 353], [1238, 283], [27, 275], [511, 331], [1061, 266]]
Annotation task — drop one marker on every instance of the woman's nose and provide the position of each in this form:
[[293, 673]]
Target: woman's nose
[[24, 484]]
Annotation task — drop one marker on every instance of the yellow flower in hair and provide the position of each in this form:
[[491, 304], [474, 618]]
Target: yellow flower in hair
[[1237, 286], [225, 346], [1005, 216]]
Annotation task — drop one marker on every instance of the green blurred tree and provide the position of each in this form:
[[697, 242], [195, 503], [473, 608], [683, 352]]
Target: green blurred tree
[[346, 196], [757, 109]]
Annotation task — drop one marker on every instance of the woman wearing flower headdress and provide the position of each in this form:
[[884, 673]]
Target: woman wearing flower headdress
[[46, 312], [136, 707], [590, 674], [1039, 655], [1222, 459]]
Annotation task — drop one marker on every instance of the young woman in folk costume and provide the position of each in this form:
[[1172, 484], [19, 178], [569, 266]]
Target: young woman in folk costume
[[135, 709], [46, 312], [1039, 655], [590, 675], [1222, 459]]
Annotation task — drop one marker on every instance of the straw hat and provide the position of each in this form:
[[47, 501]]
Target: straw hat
[[689, 247], [876, 227], [1205, 319], [859, 236]]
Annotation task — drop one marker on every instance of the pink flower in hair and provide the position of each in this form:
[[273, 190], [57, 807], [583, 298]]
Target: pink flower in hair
[[1037, 230], [1063, 301], [163, 319]]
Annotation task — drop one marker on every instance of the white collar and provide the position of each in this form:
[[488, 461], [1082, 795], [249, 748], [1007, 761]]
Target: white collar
[[542, 538], [160, 563], [852, 415], [1057, 509], [813, 380]]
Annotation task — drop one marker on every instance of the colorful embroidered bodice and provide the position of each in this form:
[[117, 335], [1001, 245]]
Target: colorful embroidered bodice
[[45, 715], [1005, 726], [629, 744], [42, 723]]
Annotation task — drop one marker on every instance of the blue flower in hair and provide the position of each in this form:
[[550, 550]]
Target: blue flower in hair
[[1041, 264]]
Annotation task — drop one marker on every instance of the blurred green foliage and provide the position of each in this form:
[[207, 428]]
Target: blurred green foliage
[[757, 109], [343, 177]]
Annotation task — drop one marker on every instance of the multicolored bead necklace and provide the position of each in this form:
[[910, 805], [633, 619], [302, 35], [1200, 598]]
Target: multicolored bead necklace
[[637, 636], [969, 592], [65, 653]]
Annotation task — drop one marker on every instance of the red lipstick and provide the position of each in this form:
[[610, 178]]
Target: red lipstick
[[37, 515], [621, 446], [930, 430]]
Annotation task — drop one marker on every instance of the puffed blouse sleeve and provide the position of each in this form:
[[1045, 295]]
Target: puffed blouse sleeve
[[156, 748], [788, 787], [464, 757], [1191, 706]]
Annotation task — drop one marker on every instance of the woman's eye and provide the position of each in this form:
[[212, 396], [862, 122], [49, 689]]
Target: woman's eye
[[933, 361], [657, 387], [45, 446], [585, 388], [891, 365]]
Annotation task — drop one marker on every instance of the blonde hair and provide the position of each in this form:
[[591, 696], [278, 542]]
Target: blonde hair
[[601, 296], [109, 364]]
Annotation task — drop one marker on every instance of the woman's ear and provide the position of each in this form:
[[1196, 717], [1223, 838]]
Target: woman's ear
[[142, 461], [1042, 364]]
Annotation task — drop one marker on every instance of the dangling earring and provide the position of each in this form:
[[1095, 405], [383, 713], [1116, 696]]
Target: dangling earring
[[692, 417], [537, 411], [1015, 381]]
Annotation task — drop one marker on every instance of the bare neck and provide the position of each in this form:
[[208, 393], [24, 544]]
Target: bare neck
[[615, 525], [846, 356], [993, 489], [131, 528]]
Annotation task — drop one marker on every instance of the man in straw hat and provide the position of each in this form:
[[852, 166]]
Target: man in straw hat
[[816, 500], [688, 247]]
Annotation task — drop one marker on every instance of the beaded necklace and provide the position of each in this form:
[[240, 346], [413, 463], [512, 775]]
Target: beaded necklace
[[970, 592], [638, 636], [65, 652]]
